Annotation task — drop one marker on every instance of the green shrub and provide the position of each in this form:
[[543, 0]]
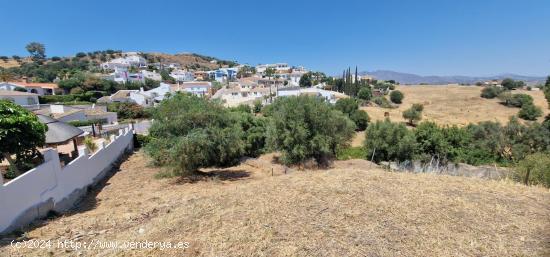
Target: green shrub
[[534, 169], [396, 97], [382, 102], [127, 110], [141, 140], [515, 100], [387, 141], [306, 127], [365, 93], [361, 119], [82, 123], [349, 153], [347, 105], [491, 92], [414, 113], [190, 133], [530, 112]]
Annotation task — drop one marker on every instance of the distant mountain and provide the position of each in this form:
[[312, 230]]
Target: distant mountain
[[407, 78]]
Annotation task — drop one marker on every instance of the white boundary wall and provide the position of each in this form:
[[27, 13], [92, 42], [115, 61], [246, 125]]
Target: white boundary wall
[[52, 187]]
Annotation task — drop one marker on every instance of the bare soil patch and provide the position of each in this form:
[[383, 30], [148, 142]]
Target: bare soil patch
[[352, 209]]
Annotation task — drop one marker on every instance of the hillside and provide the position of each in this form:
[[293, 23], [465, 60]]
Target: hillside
[[457, 105], [353, 209], [186, 60], [408, 78]]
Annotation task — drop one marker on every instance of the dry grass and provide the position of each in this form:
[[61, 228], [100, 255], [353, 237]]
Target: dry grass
[[458, 105], [353, 209]]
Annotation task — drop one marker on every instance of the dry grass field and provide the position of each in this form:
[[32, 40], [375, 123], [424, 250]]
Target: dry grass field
[[456, 105], [352, 209]]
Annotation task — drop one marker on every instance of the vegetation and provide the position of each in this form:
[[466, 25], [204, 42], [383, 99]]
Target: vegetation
[[515, 100], [90, 144], [396, 97], [351, 153], [305, 80], [350, 84], [20, 134], [365, 93], [82, 123], [350, 107], [414, 113], [534, 170], [193, 133], [382, 102], [510, 84], [128, 110], [491, 92], [306, 127], [482, 143], [389, 141], [529, 112], [37, 51]]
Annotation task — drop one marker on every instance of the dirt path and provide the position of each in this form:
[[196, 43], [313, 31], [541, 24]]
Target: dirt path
[[352, 209]]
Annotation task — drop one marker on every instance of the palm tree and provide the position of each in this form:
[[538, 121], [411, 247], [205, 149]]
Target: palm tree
[[269, 73]]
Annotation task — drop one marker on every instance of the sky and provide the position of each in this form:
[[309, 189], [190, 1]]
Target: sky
[[437, 37]]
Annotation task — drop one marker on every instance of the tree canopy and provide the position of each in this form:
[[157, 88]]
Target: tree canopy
[[20, 131], [37, 51], [304, 127]]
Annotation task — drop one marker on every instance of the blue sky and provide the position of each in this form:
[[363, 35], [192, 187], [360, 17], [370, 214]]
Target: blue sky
[[439, 37]]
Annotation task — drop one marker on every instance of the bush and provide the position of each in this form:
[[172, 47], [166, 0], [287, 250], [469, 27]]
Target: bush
[[141, 140], [515, 100], [396, 97], [414, 113], [382, 102], [491, 92], [361, 119], [82, 123], [534, 170], [387, 141], [347, 105], [530, 112], [365, 93], [431, 142], [511, 84], [306, 127], [90, 144], [127, 110], [190, 133]]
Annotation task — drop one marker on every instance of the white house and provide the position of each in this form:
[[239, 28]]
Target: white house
[[29, 100], [241, 95], [67, 113], [131, 59], [151, 75], [195, 87], [182, 75], [141, 97], [35, 88]]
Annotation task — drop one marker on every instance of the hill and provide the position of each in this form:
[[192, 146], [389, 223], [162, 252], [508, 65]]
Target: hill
[[186, 60], [458, 105], [352, 209], [408, 78]]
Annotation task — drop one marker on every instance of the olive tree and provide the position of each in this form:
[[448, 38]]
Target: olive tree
[[190, 133], [20, 132], [305, 127], [414, 113]]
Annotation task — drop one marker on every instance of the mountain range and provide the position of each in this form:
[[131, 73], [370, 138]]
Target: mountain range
[[408, 78]]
